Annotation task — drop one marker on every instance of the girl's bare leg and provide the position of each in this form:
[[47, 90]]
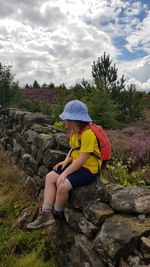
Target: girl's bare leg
[[50, 188], [62, 194], [45, 217]]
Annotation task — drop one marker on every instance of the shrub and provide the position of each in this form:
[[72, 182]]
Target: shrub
[[117, 172]]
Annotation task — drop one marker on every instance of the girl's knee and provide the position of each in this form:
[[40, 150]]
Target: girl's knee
[[48, 176], [51, 177], [64, 187]]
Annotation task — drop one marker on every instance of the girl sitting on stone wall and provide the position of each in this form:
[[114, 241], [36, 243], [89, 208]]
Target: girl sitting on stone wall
[[79, 168]]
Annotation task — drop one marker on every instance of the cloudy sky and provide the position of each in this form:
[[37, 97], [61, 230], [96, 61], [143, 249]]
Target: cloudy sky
[[58, 40]]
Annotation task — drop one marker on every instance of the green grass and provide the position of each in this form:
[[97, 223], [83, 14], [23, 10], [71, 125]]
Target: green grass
[[18, 248], [26, 260]]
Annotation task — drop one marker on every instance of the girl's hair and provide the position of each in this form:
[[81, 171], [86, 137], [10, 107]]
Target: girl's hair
[[81, 124]]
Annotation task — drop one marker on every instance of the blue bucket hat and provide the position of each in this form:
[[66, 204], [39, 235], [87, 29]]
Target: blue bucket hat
[[75, 110]]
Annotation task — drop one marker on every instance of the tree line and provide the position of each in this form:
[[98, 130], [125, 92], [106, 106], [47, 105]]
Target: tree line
[[110, 100]]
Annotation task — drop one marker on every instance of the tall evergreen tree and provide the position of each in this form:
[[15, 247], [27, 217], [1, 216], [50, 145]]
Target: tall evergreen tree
[[6, 81], [132, 104], [105, 73], [36, 84], [101, 106]]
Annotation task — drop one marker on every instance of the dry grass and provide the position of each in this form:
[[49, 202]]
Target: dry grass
[[11, 180], [18, 248]]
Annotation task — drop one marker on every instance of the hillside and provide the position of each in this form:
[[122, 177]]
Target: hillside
[[40, 95]]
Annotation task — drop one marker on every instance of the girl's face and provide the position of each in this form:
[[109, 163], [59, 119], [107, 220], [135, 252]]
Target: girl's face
[[71, 125]]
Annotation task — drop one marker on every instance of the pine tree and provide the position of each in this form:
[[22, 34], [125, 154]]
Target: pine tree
[[132, 104], [36, 84], [101, 106], [105, 73]]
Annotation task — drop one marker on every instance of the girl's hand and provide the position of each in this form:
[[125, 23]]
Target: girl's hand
[[63, 164], [58, 165], [61, 179]]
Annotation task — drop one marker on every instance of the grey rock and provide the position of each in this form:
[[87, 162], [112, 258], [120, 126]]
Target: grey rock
[[79, 197], [97, 212], [17, 149], [123, 263], [42, 171], [85, 253], [39, 156], [35, 118], [118, 237], [29, 163], [30, 135], [141, 217], [51, 157], [30, 187], [40, 128], [87, 228], [78, 223], [21, 221], [62, 140], [145, 248], [33, 151], [43, 141], [131, 199], [133, 260]]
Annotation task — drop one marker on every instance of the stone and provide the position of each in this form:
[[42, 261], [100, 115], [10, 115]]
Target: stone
[[97, 212], [20, 222], [132, 199], [39, 156], [87, 228], [133, 260], [123, 263], [85, 253], [111, 188], [35, 118], [59, 237], [19, 115], [29, 164], [141, 217], [78, 223], [52, 157], [30, 187], [40, 128], [42, 171], [80, 196], [62, 140], [145, 248], [33, 151], [44, 141], [30, 135], [118, 237]]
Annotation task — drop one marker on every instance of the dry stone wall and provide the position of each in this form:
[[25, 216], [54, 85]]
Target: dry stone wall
[[106, 224]]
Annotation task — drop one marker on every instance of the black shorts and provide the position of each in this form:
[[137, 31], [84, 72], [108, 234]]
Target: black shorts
[[78, 178]]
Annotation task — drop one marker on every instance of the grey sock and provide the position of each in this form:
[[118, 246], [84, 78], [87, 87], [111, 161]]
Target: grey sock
[[57, 209], [47, 207]]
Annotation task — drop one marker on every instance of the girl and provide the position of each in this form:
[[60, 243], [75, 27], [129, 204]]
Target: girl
[[79, 168]]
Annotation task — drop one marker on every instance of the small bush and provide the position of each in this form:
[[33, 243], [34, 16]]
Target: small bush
[[117, 172]]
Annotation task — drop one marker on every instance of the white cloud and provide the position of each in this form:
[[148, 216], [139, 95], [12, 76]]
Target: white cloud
[[59, 40], [140, 38], [137, 72], [61, 53]]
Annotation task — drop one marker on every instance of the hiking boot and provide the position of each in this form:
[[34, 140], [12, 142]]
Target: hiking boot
[[58, 215], [45, 218]]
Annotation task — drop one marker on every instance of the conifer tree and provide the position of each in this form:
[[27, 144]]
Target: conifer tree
[[36, 84], [6, 81], [105, 73]]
